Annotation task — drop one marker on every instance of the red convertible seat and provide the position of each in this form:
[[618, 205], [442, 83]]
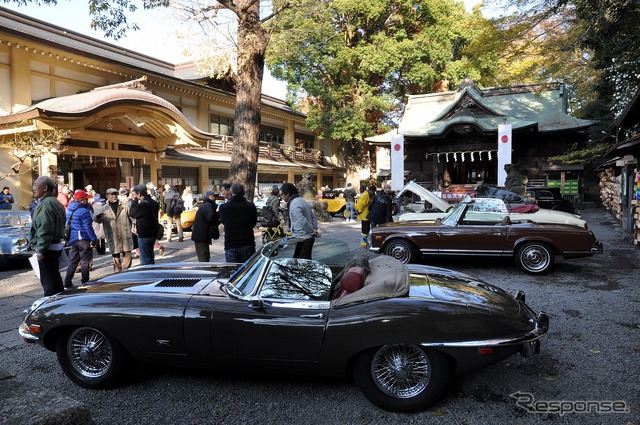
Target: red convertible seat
[[387, 278], [350, 282]]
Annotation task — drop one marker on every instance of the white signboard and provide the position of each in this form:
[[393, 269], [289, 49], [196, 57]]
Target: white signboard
[[504, 151], [397, 162]]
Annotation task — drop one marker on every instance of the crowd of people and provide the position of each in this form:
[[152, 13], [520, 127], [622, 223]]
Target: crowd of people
[[126, 223]]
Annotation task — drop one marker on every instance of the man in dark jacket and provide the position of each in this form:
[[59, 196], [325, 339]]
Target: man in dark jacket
[[380, 211], [205, 226], [46, 234], [239, 217], [145, 211], [83, 237]]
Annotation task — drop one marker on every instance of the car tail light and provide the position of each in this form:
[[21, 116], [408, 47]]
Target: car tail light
[[486, 351]]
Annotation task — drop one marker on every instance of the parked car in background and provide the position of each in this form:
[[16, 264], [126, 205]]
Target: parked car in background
[[335, 201], [186, 218], [400, 331], [14, 236], [476, 232], [433, 208], [551, 198], [514, 202]]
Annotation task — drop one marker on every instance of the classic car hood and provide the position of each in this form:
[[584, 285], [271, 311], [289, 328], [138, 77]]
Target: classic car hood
[[168, 278], [542, 216], [453, 287], [15, 232], [437, 202]]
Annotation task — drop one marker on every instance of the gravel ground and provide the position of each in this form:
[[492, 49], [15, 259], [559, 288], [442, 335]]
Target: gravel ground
[[591, 353]]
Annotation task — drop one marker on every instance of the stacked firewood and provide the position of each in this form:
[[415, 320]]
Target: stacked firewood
[[636, 211], [610, 192]]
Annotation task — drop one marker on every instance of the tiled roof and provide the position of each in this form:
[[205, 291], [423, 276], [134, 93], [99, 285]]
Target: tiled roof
[[523, 107]]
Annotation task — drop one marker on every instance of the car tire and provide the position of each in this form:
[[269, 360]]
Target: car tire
[[535, 257], [402, 378], [401, 249], [91, 358]]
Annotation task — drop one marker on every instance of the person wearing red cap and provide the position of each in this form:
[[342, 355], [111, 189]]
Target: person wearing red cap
[[83, 238]]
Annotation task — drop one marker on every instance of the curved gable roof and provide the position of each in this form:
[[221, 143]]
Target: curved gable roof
[[521, 106], [138, 111]]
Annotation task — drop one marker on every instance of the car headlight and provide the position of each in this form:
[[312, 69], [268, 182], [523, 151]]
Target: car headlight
[[22, 242], [37, 303]]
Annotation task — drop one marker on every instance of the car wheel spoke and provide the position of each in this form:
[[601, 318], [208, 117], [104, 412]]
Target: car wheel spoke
[[90, 352], [401, 371]]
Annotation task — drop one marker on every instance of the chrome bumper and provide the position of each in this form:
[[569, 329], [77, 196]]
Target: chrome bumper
[[541, 327], [23, 330]]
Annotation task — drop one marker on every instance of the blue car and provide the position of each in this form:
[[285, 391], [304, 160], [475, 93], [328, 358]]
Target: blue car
[[14, 236]]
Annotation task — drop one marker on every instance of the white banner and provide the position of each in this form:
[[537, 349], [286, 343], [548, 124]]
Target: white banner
[[397, 162], [504, 151]]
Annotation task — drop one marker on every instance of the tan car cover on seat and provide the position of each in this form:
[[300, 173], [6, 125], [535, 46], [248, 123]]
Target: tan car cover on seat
[[388, 278]]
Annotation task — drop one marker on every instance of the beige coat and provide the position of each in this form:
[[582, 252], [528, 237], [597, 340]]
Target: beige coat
[[117, 228]]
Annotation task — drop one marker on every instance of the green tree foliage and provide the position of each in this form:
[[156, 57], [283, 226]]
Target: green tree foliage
[[353, 63], [592, 45]]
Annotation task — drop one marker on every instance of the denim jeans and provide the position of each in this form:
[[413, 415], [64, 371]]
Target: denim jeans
[[146, 250], [350, 210], [239, 255]]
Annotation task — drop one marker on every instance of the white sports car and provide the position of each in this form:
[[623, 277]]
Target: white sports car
[[441, 208]]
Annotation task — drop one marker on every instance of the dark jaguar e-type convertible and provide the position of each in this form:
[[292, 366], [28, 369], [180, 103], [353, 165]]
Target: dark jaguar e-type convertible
[[400, 330]]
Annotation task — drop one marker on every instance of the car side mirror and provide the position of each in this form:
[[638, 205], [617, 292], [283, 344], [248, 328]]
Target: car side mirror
[[256, 303]]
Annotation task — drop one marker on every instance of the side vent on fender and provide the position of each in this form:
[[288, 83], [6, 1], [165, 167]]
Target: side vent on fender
[[177, 283]]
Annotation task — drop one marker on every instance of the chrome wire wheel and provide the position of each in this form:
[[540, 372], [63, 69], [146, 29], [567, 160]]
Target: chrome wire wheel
[[401, 371], [90, 353]]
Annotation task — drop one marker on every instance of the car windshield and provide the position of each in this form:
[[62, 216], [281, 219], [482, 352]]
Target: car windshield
[[15, 219], [454, 216], [245, 279], [327, 252]]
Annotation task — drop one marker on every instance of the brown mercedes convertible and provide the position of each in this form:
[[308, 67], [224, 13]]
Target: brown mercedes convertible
[[467, 231], [401, 331]]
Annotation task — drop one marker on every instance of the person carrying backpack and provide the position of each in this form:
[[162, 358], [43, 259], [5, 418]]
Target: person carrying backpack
[[380, 211], [175, 207], [273, 201], [350, 202]]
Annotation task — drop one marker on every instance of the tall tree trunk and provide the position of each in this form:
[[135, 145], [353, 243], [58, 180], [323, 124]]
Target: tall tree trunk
[[252, 43]]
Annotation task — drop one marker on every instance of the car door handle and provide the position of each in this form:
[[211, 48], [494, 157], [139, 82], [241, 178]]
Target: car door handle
[[313, 316]]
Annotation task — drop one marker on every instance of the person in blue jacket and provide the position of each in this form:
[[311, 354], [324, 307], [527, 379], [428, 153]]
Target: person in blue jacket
[[6, 199], [83, 238]]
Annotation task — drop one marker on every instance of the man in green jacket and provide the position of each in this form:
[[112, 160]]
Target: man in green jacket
[[47, 233]]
